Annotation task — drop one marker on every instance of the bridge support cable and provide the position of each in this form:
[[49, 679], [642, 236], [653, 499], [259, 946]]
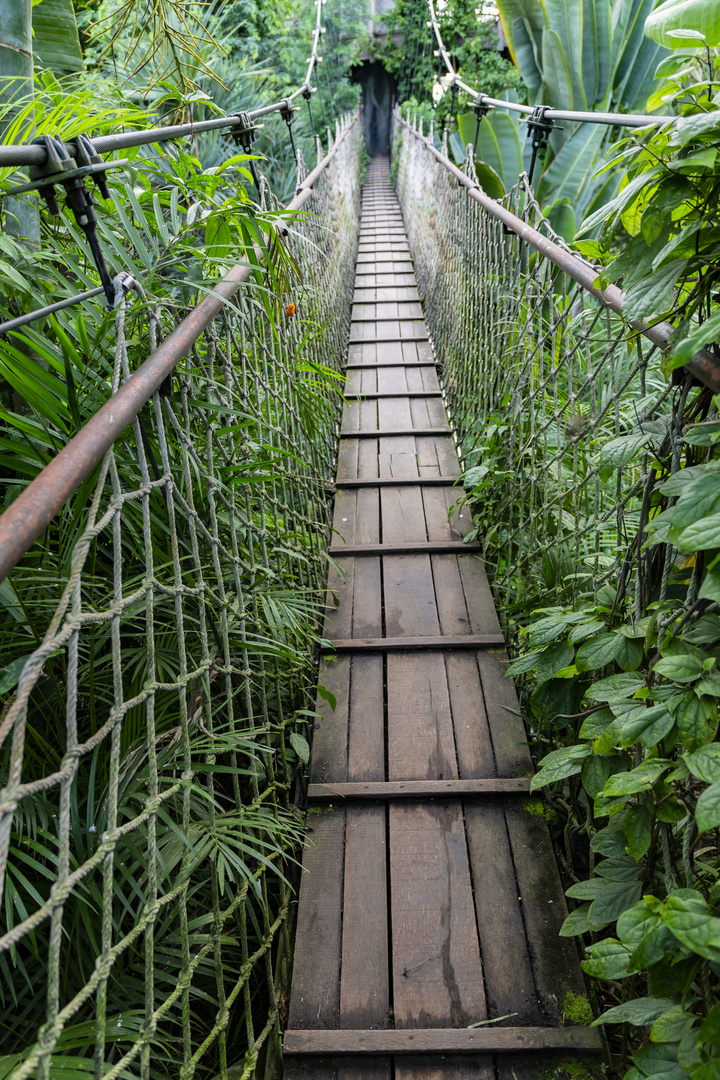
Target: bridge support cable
[[629, 120], [178, 659]]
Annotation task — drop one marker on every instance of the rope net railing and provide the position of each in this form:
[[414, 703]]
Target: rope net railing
[[565, 421], [159, 683]]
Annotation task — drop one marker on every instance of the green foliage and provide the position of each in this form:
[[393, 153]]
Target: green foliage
[[583, 55], [56, 44], [665, 216], [676, 23]]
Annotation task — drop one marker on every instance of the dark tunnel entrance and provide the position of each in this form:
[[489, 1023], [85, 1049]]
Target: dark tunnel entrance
[[378, 90]]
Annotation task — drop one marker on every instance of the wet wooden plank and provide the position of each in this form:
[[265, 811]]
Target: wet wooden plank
[[554, 959], [409, 596], [509, 982], [416, 789], [411, 644], [419, 721], [491, 1039], [437, 974], [315, 998]]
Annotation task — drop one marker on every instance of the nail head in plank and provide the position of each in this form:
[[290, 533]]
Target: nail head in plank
[[413, 644], [420, 789], [488, 1040]]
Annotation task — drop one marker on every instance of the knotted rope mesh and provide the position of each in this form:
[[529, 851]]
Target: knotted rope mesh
[[153, 749], [564, 418]]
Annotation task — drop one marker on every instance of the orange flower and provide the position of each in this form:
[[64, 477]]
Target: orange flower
[[290, 310]]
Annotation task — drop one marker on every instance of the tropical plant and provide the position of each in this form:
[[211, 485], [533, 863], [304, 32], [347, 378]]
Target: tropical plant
[[581, 55], [619, 682]]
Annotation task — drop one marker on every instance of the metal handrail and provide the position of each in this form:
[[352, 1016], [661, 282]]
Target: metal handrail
[[703, 365], [33, 510], [631, 120], [12, 155]]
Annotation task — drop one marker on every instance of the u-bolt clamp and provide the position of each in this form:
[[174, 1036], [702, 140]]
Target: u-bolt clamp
[[244, 136], [287, 112], [480, 109], [539, 128], [70, 172]]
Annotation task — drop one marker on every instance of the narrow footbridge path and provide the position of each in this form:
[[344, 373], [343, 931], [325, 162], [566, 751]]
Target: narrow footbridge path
[[431, 900]]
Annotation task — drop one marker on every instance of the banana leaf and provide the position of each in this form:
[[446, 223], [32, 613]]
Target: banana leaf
[[56, 43]]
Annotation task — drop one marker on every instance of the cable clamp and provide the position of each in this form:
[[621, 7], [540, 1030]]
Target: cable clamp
[[70, 172], [246, 132], [539, 127]]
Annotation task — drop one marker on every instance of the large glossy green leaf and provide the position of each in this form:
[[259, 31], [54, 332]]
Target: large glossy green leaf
[[56, 43], [596, 50], [566, 20], [574, 166], [640, 79], [702, 16], [531, 12], [633, 38], [526, 56], [556, 72]]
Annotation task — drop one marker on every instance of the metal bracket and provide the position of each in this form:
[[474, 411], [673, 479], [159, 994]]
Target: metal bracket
[[244, 137], [480, 109], [287, 112], [61, 168], [539, 128]]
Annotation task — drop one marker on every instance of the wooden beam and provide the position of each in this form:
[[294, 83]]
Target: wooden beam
[[352, 366], [482, 1040], [374, 395], [384, 433], [413, 644], [418, 547], [397, 481], [388, 340], [420, 789]]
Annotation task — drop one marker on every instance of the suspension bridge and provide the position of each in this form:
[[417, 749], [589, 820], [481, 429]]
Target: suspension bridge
[[273, 484]]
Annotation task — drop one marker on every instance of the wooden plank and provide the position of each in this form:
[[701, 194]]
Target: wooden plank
[[387, 363], [330, 730], [489, 1040], [400, 481], [366, 724], [437, 974], [411, 644], [394, 394], [420, 732], [554, 959], [393, 433], [458, 547], [473, 742], [420, 789], [460, 1067], [315, 997], [409, 596], [365, 978], [509, 739], [509, 982]]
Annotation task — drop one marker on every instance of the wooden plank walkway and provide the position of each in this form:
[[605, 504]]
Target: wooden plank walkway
[[431, 899]]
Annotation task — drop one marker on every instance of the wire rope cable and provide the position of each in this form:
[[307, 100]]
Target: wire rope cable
[[629, 120], [110, 143], [20, 155]]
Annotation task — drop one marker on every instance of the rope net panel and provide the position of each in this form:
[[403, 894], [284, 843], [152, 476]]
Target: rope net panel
[[152, 749], [565, 420]]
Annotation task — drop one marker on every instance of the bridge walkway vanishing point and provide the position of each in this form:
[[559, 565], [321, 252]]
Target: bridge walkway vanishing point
[[431, 898]]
